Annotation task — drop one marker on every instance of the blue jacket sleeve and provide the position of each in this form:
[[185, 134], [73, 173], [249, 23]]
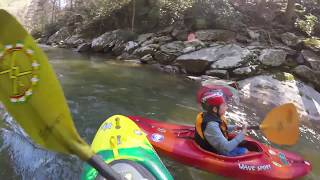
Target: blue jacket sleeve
[[231, 128], [217, 140]]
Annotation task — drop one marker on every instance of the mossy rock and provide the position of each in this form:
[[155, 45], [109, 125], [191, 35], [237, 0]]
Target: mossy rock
[[313, 43], [283, 76]]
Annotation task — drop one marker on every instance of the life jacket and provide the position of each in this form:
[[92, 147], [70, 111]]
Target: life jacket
[[201, 125]]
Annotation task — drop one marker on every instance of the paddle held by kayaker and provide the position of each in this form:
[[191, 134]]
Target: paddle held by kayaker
[[212, 129]]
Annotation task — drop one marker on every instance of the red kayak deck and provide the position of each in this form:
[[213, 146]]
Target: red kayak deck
[[263, 162]]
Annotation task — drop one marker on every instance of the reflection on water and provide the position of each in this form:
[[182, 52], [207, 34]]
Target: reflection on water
[[96, 89]]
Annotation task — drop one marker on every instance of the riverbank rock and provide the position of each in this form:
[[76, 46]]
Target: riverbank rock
[[222, 57], [74, 41], [175, 48], [215, 35], [157, 40], [312, 58], [307, 74], [149, 49], [144, 37], [113, 41], [223, 74], [198, 61], [290, 39], [131, 46], [164, 58], [147, 59], [85, 47], [273, 57], [59, 36], [229, 56], [271, 92], [244, 71]]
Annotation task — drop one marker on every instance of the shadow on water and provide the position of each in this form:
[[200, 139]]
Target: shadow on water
[[96, 89]]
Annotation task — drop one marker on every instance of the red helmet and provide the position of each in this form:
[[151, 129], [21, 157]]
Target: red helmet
[[213, 98]]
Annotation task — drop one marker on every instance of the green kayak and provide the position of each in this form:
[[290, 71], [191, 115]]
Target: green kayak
[[121, 143]]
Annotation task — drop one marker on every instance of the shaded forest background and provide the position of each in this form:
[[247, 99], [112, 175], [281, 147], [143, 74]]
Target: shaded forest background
[[91, 18]]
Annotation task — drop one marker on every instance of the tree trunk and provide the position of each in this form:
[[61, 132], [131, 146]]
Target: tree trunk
[[133, 14], [71, 4], [261, 4], [290, 10]]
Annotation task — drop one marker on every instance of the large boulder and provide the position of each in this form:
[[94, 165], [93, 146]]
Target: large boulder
[[193, 46], [273, 57], [164, 58], [222, 57], [85, 47], [114, 41], [149, 49], [144, 37], [147, 59], [304, 72], [290, 39], [198, 61], [244, 71], [175, 48], [312, 58], [74, 41], [215, 35], [230, 56], [269, 91], [101, 42], [157, 40], [223, 74], [169, 52], [59, 36]]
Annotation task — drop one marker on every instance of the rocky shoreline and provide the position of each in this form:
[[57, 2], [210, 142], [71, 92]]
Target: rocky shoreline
[[280, 60]]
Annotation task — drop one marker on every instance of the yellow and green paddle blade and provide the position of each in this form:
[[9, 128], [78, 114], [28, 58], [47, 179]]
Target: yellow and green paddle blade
[[32, 94], [281, 125]]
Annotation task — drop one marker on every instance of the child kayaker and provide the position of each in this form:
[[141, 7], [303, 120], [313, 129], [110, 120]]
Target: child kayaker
[[212, 129]]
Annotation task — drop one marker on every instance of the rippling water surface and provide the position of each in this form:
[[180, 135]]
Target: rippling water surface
[[96, 89]]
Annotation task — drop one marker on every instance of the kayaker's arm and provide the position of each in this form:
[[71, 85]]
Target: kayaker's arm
[[216, 139]]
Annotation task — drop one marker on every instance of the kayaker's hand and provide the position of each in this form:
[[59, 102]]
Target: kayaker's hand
[[245, 129]]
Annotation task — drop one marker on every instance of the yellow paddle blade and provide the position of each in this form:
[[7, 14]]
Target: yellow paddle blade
[[281, 125], [32, 94]]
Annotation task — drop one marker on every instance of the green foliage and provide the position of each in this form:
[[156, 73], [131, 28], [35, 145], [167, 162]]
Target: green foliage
[[213, 14], [172, 11], [307, 24]]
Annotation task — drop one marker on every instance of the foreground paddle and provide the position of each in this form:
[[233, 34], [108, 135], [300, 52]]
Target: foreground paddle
[[32, 94], [281, 125]]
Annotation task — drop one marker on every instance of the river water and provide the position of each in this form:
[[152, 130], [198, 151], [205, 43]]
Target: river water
[[97, 88]]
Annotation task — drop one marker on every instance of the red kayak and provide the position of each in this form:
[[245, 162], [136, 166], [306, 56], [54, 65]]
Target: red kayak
[[262, 162]]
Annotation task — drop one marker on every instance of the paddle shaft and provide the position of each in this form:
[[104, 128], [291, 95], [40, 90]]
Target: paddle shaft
[[257, 127], [104, 170]]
